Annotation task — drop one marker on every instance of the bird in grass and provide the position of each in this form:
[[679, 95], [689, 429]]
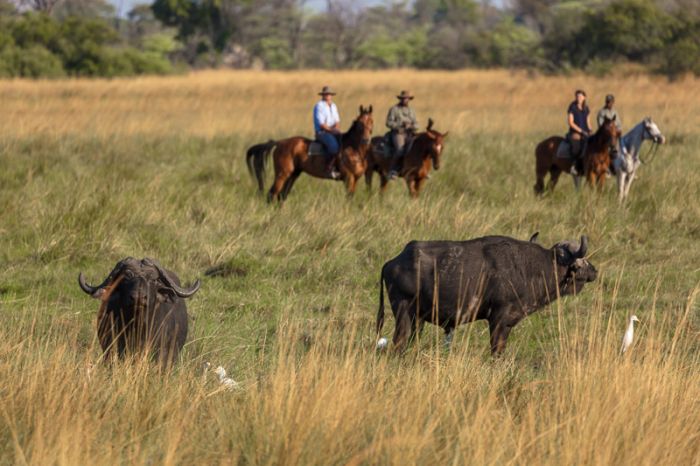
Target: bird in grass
[[227, 382], [629, 335], [382, 343]]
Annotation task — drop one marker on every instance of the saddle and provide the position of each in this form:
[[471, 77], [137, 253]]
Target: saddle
[[385, 146], [317, 148], [564, 149]]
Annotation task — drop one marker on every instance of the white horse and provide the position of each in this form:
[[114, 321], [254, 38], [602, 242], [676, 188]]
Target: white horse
[[627, 164]]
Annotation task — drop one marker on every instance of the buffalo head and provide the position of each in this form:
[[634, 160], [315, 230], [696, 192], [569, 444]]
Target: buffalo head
[[574, 269], [142, 307]]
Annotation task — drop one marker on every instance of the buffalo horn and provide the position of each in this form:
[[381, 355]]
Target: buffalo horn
[[584, 247], [179, 291], [93, 291]]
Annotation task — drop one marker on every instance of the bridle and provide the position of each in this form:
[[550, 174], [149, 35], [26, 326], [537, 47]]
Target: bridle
[[653, 149]]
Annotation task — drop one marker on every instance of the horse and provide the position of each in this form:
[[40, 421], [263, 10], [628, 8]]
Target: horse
[[598, 145], [425, 148], [596, 160], [291, 158], [630, 159]]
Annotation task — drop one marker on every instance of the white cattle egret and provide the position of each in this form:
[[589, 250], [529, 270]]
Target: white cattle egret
[[381, 344], [227, 382], [629, 335]]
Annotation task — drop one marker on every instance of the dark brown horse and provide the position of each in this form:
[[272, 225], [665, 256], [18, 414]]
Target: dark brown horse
[[596, 158], [425, 148], [291, 158]]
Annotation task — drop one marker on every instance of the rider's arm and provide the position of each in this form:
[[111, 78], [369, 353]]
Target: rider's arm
[[392, 122], [600, 118], [414, 121], [573, 125]]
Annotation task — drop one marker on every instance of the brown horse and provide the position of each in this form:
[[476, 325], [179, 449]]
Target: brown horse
[[291, 158], [426, 147], [596, 158]]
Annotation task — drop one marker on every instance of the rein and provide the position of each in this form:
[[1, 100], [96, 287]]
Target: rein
[[651, 153]]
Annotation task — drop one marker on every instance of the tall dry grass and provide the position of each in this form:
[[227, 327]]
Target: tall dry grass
[[93, 171], [330, 399]]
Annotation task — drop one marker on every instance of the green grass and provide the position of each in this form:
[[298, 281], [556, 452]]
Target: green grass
[[305, 276]]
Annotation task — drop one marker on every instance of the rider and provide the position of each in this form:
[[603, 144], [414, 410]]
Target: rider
[[327, 128], [402, 122], [609, 112], [579, 129]]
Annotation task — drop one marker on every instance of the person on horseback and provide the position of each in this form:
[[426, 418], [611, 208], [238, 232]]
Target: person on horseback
[[401, 120], [609, 112], [327, 128], [579, 129]]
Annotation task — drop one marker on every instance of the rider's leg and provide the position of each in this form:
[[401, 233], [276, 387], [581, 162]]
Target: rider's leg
[[576, 146], [330, 141], [399, 141]]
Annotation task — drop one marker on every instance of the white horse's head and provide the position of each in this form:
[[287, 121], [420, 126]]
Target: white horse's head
[[652, 132]]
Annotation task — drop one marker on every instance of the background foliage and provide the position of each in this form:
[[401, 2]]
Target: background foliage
[[89, 38]]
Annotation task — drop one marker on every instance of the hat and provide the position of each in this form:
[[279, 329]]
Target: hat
[[326, 91], [405, 95], [609, 98]]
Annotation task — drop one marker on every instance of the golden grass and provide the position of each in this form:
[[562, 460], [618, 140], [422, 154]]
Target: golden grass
[[278, 104], [93, 171]]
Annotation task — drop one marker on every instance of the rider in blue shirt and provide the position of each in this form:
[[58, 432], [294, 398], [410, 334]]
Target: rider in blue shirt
[[327, 128], [578, 116]]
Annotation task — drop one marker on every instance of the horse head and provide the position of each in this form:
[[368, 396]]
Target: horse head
[[651, 131], [365, 117], [608, 134], [436, 143]]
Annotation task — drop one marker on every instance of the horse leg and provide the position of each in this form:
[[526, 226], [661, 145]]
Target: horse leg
[[350, 183], [411, 183], [383, 182], [601, 180], [277, 187], [630, 178], [368, 178], [289, 183], [554, 173], [419, 185], [620, 185]]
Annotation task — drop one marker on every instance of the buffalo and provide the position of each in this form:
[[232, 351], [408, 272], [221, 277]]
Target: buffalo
[[142, 310], [494, 278]]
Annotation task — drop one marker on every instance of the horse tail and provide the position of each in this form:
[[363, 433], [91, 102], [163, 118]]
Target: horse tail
[[256, 159], [380, 312]]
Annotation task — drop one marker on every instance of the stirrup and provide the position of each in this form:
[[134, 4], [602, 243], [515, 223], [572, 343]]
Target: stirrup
[[393, 174]]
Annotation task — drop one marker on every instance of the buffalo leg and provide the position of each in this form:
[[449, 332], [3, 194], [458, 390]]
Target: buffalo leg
[[405, 326], [499, 334]]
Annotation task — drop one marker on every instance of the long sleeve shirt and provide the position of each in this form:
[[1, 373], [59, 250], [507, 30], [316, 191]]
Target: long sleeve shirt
[[609, 114], [401, 117]]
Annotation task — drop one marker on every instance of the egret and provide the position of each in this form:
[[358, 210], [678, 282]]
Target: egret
[[381, 344], [629, 335], [227, 382]]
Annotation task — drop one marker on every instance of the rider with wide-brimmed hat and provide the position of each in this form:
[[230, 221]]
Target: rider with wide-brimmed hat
[[327, 128], [401, 120]]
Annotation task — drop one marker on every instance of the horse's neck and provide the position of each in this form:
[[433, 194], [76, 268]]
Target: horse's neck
[[420, 148], [632, 141], [353, 136]]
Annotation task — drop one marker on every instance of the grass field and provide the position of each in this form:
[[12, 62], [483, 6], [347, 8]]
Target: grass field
[[93, 171]]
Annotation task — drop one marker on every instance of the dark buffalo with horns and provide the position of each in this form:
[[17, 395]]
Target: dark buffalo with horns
[[494, 278], [143, 310]]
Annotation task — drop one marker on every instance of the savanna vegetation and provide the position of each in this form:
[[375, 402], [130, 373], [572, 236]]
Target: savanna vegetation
[[53, 38], [92, 171]]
